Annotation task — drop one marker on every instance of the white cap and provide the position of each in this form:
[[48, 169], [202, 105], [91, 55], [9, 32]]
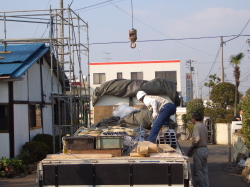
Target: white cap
[[140, 94]]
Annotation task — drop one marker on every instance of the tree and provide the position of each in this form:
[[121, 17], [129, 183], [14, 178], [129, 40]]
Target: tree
[[195, 105], [212, 82], [248, 92], [235, 61], [222, 94]]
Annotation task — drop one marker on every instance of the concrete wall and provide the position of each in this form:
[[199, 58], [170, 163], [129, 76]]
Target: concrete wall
[[238, 146], [221, 133]]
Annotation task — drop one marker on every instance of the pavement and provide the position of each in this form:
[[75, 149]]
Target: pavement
[[220, 171]]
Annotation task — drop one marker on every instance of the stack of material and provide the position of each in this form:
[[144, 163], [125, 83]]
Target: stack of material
[[167, 137], [93, 145], [144, 149]]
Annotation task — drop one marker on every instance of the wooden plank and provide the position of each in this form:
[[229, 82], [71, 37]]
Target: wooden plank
[[3, 52], [77, 156], [113, 152], [165, 148]]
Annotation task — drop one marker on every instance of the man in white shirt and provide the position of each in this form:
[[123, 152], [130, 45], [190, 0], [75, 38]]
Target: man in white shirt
[[162, 110]]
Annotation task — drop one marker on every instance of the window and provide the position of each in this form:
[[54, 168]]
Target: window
[[119, 75], [35, 115], [99, 78], [168, 75], [137, 75], [4, 126]]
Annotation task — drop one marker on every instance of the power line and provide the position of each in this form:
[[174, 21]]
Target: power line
[[94, 5], [212, 65], [168, 39], [238, 34]]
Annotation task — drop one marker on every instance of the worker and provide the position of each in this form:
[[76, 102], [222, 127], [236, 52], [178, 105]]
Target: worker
[[162, 110], [200, 151], [238, 117]]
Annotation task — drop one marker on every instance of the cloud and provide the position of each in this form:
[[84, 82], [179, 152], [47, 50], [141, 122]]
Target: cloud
[[211, 21]]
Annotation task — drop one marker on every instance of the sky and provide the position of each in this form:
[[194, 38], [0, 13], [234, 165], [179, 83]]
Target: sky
[[166, 30]]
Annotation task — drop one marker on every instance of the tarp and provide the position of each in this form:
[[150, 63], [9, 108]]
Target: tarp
[[135, 119], [129, 88]]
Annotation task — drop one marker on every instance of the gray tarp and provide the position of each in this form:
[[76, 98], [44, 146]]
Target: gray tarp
[[134, 119], [129, 88]]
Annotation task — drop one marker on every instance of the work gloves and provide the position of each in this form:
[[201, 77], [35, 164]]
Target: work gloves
[[154, 115]]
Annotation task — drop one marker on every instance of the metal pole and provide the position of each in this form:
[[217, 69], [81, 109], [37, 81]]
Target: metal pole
[[61, 48], [88, 74], [5, 31], [51, 75], [222, 66]]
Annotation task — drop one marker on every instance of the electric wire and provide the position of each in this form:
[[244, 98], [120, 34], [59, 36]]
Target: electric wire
[[93, 5], [240, 32], [161, 40]]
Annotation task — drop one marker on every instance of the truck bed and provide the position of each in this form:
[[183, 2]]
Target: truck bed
[[103, 170]]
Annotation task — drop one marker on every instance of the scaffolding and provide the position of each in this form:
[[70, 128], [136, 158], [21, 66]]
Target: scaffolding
[[67, 50]]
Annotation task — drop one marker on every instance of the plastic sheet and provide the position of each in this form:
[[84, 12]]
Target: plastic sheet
[[124, 110]]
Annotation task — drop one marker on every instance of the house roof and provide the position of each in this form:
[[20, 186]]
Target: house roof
[[18, 58]]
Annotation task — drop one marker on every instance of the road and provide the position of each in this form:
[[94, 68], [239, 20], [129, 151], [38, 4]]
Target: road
[[220, 171], [220, 174]]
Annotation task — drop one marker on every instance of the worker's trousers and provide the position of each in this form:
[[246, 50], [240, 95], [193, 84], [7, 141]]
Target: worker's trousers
[[166, 111], [200, 167]]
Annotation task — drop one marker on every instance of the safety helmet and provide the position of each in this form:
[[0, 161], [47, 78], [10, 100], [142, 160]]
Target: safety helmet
[[140, 94]]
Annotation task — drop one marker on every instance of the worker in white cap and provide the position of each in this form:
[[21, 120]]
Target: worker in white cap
[[162, 110]]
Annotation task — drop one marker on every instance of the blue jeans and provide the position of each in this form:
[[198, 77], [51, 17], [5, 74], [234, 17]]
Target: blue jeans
[[166, 111]]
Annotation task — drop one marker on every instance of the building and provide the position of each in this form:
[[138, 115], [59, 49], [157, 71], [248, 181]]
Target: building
[[25, 95], [142, 70]]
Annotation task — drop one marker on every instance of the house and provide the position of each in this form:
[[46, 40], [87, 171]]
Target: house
[[134, 70], [28, 81]]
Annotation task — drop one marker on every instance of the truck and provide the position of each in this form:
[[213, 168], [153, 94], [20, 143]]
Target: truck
[[106, 156]]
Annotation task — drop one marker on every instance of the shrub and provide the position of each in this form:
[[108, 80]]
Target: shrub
[[245, 105], [10, 167], [33, 152], [219, 114], [47, 139], [195, 105], [191, 128]]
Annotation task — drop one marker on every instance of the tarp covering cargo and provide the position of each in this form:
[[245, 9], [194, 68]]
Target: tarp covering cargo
[[129, 88], [131, 120], [134, 119]]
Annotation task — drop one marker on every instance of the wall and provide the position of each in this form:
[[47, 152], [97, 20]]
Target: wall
[[238, 146], [221, 133], [21, 126], [4, 97], [4, 145], [147, 67]]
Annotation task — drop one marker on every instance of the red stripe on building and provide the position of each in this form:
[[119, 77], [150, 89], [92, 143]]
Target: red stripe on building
[[136, 62]]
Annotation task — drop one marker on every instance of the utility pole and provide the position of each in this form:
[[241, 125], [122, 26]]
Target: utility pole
[[197, 89], [221, 55], [191, 69]]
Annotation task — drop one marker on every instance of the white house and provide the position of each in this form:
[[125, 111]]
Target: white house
[[135, 70], [27, 82]]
